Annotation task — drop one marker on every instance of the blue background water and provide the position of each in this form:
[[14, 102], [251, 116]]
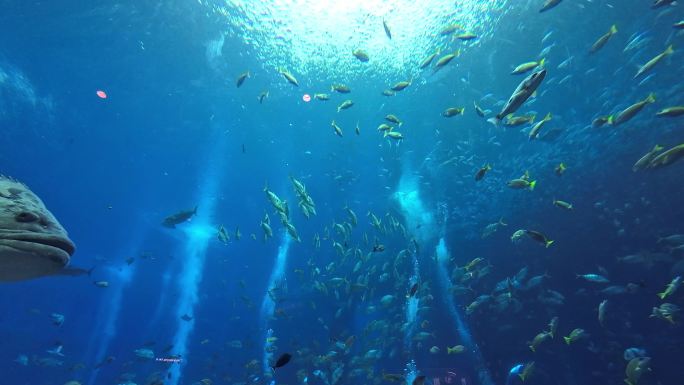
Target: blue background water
[[112, 169]]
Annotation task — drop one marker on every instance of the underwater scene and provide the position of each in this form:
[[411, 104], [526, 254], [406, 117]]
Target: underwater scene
[[302, 192]]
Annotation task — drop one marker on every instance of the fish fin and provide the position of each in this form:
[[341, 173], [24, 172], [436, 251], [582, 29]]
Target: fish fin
[[495, 121], [74, 271]]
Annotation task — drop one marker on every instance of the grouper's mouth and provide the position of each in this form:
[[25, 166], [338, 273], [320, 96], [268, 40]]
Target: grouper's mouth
[[56, 247]]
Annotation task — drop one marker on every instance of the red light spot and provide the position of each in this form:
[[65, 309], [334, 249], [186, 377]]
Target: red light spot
[[101, 94], [306, 98]]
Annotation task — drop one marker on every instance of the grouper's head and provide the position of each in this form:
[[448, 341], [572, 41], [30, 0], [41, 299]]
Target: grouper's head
[[32, 242]]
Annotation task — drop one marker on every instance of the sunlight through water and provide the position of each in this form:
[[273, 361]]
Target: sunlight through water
[[316, 38], [198, 233]]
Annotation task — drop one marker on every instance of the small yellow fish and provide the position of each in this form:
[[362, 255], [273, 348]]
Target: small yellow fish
[[527, 371], [455, 349], [361, 55], [241, 78], [575, 335], [560, 169], [603, 39], [562, 204], [529, 66], [444, 60], [671, 111], [466, 36], [400, 86], [651, 63], [671, 287], [289, 77], [453, 111], [338, 129]]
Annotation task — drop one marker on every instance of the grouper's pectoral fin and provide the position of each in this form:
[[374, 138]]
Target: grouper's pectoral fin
[[74, 271]]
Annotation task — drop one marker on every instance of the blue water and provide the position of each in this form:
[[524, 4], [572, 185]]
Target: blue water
[[175, 132]]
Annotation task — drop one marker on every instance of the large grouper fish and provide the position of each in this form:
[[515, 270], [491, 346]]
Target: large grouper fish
[[32, 242]]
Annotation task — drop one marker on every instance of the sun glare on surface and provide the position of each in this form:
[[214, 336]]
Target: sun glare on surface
[[318, 37]]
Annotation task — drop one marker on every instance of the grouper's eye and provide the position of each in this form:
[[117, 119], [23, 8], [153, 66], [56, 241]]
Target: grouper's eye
[[26, 216]]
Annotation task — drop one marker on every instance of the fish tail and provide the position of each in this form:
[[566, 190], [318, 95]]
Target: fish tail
[[549, 243], [662, 295], [532, 184], [568, 340], [657, 147], [532, 349], [669, 50], [548, 116], [613, 29], [542, 62], [194, 211], [610, 119], [651, 98]]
